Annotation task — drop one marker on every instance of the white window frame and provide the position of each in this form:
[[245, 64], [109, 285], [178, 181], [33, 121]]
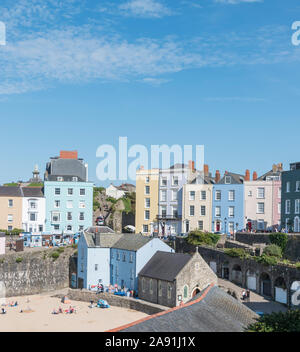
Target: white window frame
[[231, 195], [231, 212], [147, 203], [288, 206], [201, 195], [258, 208], [261, 195], [220, 193], [192, 195], [218, 213], [288, 187], [147, 215]]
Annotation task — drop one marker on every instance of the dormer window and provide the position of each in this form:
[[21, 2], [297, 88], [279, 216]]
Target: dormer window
[[227, 180], [75, 179], [60, 179]]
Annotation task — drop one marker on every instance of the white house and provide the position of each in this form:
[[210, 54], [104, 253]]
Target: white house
[[33, 210], [115, 192]]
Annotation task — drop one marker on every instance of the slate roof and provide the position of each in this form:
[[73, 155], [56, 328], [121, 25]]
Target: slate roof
[[100, 229], [213, 310], [10, 191], [35, 192], [165, 266], [206, 180], [268, 174], [66, 167], [236, 178], [129, 242]]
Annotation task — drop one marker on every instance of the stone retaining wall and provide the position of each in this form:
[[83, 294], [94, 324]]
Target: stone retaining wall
[[116, 301], [33, 272]]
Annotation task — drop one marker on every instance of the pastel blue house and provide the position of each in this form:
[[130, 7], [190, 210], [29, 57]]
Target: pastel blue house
[[69, 195], [228, 204], [113, 259]]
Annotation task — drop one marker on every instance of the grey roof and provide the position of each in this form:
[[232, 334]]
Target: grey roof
[[206, 180], [66, 167], [130, 242], [36, 192], [269, 174], [11, 191], [100, 229], [67, 178], [236, 178], [165, 266], [215, 312], [178, 166]]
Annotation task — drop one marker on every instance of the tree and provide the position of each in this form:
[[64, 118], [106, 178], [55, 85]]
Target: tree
[[277, 322], [273, 251]]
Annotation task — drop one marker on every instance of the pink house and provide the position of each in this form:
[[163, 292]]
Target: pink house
[[277, 203], [2, 243]]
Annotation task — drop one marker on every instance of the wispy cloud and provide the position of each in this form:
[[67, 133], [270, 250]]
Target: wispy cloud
[[68, 52], [144, 8]]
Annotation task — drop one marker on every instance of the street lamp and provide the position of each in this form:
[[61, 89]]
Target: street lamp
[[225, 222]]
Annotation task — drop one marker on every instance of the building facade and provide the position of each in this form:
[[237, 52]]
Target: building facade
[[33, 210], [171, 182], [197, 205], [146, 201], [69, 195], [172, 279], [113, 259], [290, 199], [11, 199], [263, 201], [228, 203]]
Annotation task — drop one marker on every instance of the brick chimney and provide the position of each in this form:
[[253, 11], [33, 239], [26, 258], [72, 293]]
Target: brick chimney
[[64, 154], [247, 175], [274, 168], [280, 167], [206, 170], [255, 177], [218, 176], [192, 165]]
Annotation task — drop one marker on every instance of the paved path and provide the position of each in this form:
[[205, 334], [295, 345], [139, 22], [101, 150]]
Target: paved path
[[257, 303]]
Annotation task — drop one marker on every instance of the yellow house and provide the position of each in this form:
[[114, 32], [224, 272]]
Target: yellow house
[[197, 205], [10, 208], [147, 183]]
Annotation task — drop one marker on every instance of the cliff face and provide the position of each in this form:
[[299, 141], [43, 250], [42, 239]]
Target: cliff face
[[117, 213]]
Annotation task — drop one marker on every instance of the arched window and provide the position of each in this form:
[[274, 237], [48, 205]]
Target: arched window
[[185, 292]]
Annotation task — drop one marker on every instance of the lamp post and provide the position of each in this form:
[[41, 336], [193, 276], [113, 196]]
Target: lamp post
[[225, 222], [213, 225]]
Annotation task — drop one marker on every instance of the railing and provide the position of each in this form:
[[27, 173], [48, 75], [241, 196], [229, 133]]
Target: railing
[[169, 217]]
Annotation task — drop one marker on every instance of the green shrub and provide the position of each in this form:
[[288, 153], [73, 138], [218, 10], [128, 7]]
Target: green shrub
[[236, 253], [200, 238], [297, 265], [278, 322], [75, 245], [19, 260], [60, 250], [111, 200], [273, 250], [280, 239], [55, 255], [267, 260]]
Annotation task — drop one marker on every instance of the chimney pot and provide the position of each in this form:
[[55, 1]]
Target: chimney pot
[[255, 176], [247, 175], [218, 176], [206, 170]]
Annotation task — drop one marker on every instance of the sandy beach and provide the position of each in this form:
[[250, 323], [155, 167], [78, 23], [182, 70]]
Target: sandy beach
[[37, 316]]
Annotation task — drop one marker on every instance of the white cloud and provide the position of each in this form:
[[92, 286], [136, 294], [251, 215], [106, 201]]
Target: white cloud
[[144, 8]]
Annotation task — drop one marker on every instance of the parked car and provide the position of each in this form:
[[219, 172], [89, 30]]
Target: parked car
[[100, 221]]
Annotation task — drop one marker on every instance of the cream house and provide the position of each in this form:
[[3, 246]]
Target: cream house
[[197, 204], [262, 200], [10, 208], [147, 185]]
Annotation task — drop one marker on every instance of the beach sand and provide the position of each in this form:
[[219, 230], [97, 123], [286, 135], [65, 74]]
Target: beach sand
[[40, 319]]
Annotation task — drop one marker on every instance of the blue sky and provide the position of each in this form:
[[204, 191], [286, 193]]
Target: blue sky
[[76, 74]]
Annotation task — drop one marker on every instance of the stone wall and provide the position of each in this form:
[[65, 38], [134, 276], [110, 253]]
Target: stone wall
[[35, 271], [238, 270], [116, 301]]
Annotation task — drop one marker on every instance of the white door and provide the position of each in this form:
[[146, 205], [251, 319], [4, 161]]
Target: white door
[[280, 295], [213, 266], [251, 283]]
